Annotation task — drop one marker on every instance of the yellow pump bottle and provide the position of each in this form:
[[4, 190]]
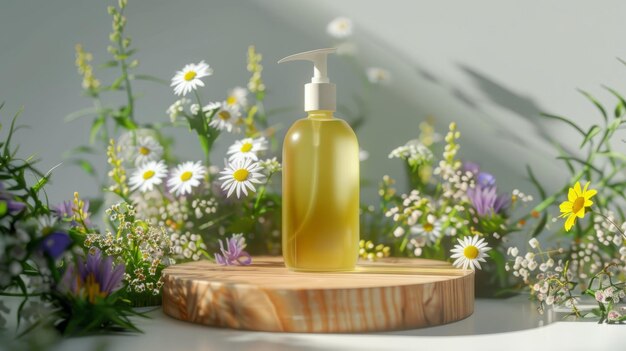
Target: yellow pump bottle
[[320, 181]]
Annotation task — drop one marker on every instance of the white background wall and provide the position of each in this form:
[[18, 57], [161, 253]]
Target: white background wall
[[490, 65]]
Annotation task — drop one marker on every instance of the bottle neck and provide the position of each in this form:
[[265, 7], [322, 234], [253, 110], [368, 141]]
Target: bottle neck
[[320, 114]]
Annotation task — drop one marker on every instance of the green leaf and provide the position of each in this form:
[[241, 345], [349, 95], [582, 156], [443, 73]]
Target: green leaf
[[596, 103], [95, 128], [563, 119], [619, 108], [615, 124], [593, 131], [110, 63], [86, 166], [533, 179], [81, 113], [583, 162], [149, 78], [117, 83], [613, 155], [79, 150]]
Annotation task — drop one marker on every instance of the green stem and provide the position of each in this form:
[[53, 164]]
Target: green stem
[[124, 67]]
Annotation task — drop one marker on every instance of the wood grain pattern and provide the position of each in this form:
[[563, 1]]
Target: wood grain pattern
[[385, 295]]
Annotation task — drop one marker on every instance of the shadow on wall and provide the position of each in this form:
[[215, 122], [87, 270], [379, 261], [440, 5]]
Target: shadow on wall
[[498, 94]]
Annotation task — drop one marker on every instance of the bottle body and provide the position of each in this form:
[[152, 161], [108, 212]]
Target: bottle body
[[320, 194]]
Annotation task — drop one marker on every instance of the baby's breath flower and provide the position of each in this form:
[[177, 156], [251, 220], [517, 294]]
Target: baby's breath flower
[[271, 165], [177, 108], [414, 152]]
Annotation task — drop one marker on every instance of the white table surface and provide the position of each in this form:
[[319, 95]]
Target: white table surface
[[511, 324]]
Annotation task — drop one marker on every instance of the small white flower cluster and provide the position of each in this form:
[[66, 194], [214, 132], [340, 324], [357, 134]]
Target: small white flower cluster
[[157, 210], [412, 208], [188, 246], [455, 183], [271, 165], [12, 253], [518, 195], [137, 244], [607, 234], [177, 108], [610, 294], [203, 207], [527, 264], [414, 152]]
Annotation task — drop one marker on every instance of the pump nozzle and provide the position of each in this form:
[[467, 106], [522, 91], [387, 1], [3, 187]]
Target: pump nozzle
[[320, 93]]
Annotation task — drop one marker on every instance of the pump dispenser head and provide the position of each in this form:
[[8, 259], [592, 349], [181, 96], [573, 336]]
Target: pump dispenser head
[[320, 94]]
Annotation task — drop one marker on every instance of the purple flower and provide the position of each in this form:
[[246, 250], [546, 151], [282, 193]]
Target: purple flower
[[234, 253], [7, 198], [486, 200], [485, 179], [96, 278], [64, 211], [55, 244]]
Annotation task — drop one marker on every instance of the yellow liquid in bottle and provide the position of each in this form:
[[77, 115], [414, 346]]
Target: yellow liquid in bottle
[[320, 194]]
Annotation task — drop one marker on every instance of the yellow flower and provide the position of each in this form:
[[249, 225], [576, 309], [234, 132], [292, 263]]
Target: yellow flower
[[576, 203]]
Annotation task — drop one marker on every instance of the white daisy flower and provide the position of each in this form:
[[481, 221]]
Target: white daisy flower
[[188, 78], [469, 252], [147, 149], [247, 148], [237, 98], [340, 27], [225, 118], [378, 75], [431, 229], [239, 175], [147, 175], [185, 177]]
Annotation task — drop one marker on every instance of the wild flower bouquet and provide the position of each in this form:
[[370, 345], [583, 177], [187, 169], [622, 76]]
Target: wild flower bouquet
[[582, 265], [454, 209], [60, 284], [169, 209]]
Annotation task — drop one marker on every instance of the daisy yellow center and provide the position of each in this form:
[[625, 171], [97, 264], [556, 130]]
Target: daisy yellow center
[[246, 147], [470, 252], [231, 100], [224, 115], [241, 174], [144, 151], [186, 176], [148, 174], [578, 204], [428, 227], [190, 75]]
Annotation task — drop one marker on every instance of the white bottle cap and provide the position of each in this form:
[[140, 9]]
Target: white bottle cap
[[320, 94]]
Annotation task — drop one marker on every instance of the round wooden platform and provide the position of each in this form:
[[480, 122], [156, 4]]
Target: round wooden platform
[[385, 295]]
